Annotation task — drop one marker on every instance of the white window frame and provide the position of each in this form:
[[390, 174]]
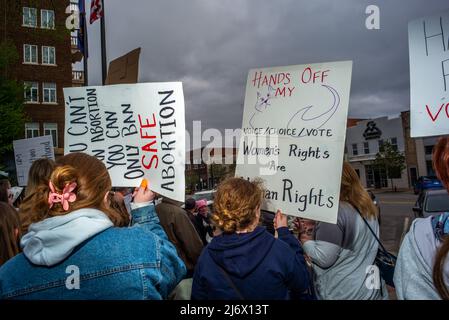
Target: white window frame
[[25, 83], [23, 17], [380, 144], [44, 48], [45, 86], [366, 147], [32, 126], [25, 46], [52, 127], [355, 149], [394, 145], [46, 11]]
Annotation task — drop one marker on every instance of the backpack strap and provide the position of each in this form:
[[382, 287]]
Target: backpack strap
[[372, 231], [229, 280]]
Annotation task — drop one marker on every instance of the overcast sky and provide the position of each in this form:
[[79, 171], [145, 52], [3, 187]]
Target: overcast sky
[[210, 45]]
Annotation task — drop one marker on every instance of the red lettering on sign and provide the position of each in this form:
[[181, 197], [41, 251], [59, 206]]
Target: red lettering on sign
[[434, 118], [150, 157]]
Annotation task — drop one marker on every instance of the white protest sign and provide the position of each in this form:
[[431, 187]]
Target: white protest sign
[[294, 128], [28, 150], [429, 75], [137, 130]]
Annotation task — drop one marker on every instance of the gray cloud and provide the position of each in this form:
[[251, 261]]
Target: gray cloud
[[210, 45]]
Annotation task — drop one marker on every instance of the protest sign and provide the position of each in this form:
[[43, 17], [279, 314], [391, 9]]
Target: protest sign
[[293, 134], [137, 130], [124, 69], [28, 150], [429, 75]]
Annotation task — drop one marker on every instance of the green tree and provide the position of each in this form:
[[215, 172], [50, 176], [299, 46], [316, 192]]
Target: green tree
[[12, 116], [390, 159], [192, 179]]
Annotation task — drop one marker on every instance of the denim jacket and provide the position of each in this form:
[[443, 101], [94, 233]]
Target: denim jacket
[[135, 263]]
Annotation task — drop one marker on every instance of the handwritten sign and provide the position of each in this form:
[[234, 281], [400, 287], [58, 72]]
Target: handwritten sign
[[137, 130], [294, 127], [28, 150], [429, 75]]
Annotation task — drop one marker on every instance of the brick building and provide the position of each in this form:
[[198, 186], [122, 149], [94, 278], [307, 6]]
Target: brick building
[[37, 28]]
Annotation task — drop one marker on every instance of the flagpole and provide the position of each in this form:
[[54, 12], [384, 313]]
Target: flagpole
[[86, 51], [103, 46]]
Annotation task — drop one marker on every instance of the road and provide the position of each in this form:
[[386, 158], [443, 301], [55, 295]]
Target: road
[[395, 208]]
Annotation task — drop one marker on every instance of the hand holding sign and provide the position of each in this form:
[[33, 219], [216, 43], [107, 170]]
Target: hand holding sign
[[280, 220], [143, 193]]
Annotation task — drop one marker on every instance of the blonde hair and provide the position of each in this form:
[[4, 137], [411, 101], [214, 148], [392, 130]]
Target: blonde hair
[[39, 173], [354, 193], [93, 183], [9, 241], [236, 203]]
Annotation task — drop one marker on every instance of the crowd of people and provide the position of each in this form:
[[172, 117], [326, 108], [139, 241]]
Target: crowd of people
[[74, 236]]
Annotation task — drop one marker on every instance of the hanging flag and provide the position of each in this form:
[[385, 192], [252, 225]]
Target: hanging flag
[[82, 32], [96, 10]]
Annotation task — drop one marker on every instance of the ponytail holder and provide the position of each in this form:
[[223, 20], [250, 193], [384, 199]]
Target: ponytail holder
[[66, 197]]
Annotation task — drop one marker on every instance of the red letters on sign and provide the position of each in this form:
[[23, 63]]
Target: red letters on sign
[[434, 118], [315, 76], [150, 156]]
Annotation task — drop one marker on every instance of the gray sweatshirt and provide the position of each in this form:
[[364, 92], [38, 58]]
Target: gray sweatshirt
[[342, 255], [414, 267]]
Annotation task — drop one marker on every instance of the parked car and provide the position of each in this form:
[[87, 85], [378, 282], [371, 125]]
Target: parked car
[[426, 183], [431, 202]]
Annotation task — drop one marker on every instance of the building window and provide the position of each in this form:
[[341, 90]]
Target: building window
[[376, 177], [366, 147], [29, 53], [48, 55], [31, 130], [29, 17], [381, 145], [49, 90], [355, 151], [47, 19], [429, 167], [394, 143], [51, 129], [428, 150], [31, 91]]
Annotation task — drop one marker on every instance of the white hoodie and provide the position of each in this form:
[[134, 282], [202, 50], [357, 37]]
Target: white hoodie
[[50, 241], [414, 267]]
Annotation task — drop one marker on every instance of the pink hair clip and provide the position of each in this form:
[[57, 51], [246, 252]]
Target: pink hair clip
[[64, 198]]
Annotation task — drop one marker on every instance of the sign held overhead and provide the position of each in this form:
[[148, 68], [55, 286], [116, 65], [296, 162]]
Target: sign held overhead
[[26, 151], [294, 127], [429, 75], [137, 130]]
